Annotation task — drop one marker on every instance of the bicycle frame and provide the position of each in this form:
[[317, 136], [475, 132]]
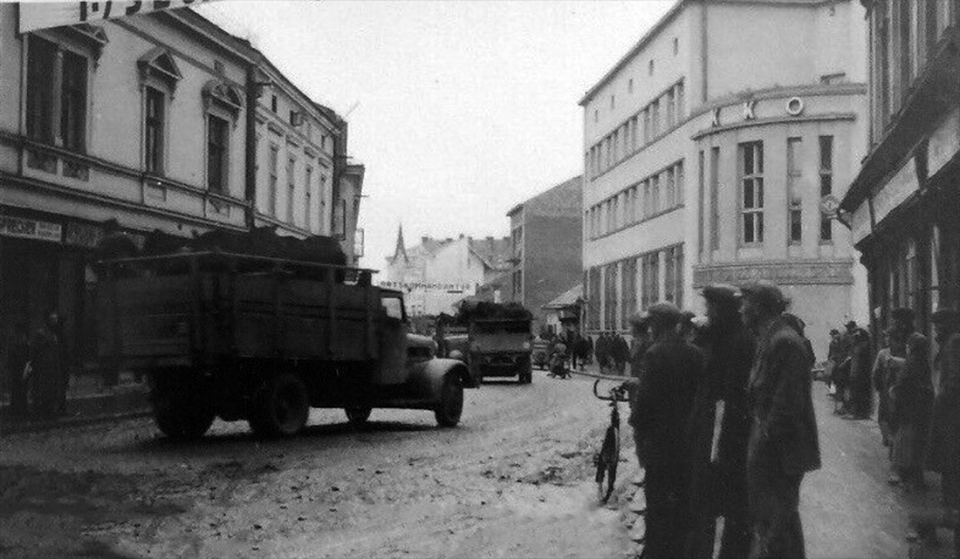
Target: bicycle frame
[[609, 456]]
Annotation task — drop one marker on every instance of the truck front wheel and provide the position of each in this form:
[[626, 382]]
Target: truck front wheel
[[357, 416], [281, 407], [180, 417], [451, 401]]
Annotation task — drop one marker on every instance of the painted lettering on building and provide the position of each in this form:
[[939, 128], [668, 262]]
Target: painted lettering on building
[[42, 15], [30, 229]]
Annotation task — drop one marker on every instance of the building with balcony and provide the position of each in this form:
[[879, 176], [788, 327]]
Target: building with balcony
[[159, 121], [903, 206], [709, 149], [546, 240]]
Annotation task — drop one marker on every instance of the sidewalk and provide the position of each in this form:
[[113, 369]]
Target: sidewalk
[[848, 509], [88, 401]]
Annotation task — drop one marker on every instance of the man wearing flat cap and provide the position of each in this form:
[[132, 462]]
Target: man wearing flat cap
[[783, 443], [660, 411], [719, 479]]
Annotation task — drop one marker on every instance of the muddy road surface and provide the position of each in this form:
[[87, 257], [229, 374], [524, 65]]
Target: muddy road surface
[[513, 480]]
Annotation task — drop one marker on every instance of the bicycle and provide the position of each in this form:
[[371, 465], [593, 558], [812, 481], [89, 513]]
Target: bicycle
[[607, 459]]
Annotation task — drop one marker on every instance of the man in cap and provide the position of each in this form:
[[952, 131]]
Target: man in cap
[[640, 329], [719, 479], [783, 443], [660, 412]]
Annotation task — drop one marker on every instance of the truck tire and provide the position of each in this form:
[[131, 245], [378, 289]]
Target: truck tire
[[357, 416], [450, 408], [281, 407], [525, 371], [181, 417]]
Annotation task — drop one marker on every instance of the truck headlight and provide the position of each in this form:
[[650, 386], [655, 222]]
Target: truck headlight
[[526, 345]]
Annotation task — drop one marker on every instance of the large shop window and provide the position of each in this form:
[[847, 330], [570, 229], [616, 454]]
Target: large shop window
[[714, 198], [795, 190], [291, 188], [628, 289], [274, 164], [56, 116], [593, 302], [610, 297], [751, 193], [826, 184]]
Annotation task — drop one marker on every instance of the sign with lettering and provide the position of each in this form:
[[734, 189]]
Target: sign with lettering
[[430, 286], [42, 15], [30, 229], [896, 191]]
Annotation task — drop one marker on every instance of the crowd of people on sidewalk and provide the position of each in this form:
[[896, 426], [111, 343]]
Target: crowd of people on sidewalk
[[918, 402], [723, 420]]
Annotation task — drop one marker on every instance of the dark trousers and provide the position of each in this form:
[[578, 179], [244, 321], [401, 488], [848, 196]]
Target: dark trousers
[[666, 515], [775, 513]]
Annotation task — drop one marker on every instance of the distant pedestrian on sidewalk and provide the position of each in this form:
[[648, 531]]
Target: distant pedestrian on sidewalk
[[783, 443], [719, 477], [911, 398], [860, 378], [18, 355], [660, 412], [47, 361]]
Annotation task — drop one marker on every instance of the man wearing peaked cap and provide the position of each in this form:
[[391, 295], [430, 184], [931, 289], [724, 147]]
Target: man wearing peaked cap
[[660, 411], [783, 443]]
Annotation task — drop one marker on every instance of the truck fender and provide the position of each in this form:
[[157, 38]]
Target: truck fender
[[428, 377]]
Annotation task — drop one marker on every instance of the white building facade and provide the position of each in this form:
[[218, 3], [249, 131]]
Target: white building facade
[[709, 150]]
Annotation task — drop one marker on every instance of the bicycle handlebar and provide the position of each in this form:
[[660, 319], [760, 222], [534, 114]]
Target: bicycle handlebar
[[617, 393]]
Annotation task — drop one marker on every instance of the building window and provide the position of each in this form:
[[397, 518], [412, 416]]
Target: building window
[[715, 198], [44, 67], [630, 85], [883, 61], [794, 190], [655, 118], [518, 286], [628, 289], [308, 199], [153, 130], [680, 102], [826, 184], [650, 279], [610, 297], [596, 115], [613, 102], [701, 198], [671, 189], [650, 68], [273, 104], [671, 109], [217, 149], [635, 123], [322, 220], [646, 126], [676, 46], [291, 187], [655, 190], [274, 179], [906, 44], [751, 192], [646, 199]]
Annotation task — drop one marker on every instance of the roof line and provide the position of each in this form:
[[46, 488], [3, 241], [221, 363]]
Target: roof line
[[646, 38]]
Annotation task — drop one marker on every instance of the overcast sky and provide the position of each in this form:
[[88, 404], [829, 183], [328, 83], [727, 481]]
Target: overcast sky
[[464, 108]]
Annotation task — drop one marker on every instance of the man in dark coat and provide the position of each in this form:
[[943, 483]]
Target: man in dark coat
[[719, 478], [783, 443], [659, 416], [621, 353], [18, 354], [861, 361], [47, 360]]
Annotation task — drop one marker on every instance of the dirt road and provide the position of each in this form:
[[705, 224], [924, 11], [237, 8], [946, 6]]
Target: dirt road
[[512, 481]]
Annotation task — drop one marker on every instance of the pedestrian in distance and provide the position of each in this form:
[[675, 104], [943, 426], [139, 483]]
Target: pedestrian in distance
[[621, 353], [886, 366], [603, 352], [860, 377], [783, 444], [17, 369], [589, 354], [911, 398], [719, 478], [47, 363], [660, 413]]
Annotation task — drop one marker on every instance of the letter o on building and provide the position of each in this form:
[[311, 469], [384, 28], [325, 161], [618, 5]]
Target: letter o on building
[[795, 106]]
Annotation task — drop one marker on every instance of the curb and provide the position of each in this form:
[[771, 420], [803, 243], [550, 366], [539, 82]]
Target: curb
[[40, 426]]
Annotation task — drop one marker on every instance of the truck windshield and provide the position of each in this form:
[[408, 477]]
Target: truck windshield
[[504, 327], [393, 307]]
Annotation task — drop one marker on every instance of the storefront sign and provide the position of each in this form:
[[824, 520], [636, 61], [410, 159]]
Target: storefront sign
[[83, 234], [41, 15], [429, 286], [860, 224], [944, 143], [30, 229], [896, 191], [782, 273]]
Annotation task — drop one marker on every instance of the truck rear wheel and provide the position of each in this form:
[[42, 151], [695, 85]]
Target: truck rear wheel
[[357, 416], [181, 417], [281, 408], [451, 401]]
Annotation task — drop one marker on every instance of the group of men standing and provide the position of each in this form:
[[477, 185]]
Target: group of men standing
[[749, 370], [612, 353]]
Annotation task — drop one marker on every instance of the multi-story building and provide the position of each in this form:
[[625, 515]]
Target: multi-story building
[[708, 149], [146, 120], [546, 236], [439, 272], [904, 205]]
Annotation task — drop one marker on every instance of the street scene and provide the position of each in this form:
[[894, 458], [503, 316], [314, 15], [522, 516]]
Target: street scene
[[663, 279]]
